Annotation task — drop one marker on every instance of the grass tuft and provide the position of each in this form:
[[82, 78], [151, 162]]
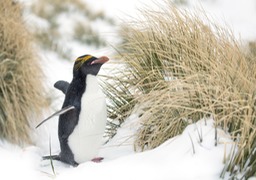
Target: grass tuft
[[51, 160], [22, 95], [193, 146], [180, 69]]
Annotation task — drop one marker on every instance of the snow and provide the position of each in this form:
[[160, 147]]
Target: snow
[[17, 162], [235, 14], [238, 15], [174, 159]]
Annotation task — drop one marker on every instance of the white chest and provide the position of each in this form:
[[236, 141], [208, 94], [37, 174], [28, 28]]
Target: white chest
[[87, 135]]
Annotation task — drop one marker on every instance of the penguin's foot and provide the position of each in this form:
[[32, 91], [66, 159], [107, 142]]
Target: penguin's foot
[[58, 158], [53, 157], [97, 159]]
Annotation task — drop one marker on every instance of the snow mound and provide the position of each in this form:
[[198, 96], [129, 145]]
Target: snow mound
[[182, 157]]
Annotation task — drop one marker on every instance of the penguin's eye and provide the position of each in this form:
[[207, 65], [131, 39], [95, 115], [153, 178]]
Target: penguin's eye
[[91, 63]]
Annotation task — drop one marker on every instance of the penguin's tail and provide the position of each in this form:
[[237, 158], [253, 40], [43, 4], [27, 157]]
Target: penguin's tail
[[52, 157]]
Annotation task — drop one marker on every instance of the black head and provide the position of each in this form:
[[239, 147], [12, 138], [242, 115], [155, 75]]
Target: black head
[[88, 64]]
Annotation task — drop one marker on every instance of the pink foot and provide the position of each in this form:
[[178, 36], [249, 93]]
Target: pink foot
[[97, 159]]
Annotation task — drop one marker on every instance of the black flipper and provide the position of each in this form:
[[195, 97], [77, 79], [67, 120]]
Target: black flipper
[[62, 111], [62, 86]]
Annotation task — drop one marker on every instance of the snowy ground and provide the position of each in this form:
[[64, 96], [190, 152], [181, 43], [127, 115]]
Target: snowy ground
[[178, 158], [172, 160], [182, 157]]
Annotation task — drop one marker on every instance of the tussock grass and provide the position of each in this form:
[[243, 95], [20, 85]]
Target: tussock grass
[[121, 101], [21, 91], [179, 69], [252, 50]]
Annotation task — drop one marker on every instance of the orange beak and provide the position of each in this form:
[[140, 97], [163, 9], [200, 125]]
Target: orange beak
[[100, 60]]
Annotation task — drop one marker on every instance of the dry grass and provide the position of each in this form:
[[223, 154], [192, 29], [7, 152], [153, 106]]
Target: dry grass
[[180, 69], [120, 100], [21, 91], [252, 49]]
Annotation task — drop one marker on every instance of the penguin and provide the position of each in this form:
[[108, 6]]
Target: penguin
[[83, 117]]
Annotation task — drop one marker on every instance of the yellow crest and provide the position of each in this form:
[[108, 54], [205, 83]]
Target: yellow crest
[[81, 60]]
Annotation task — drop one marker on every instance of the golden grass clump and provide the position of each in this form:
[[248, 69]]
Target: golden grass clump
[[179, 69], [21, 89], [252, 49]]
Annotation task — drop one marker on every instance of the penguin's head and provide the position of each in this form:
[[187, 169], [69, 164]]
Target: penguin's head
[[88, 64]]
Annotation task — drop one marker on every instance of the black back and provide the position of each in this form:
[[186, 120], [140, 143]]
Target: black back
[[69, 120]]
